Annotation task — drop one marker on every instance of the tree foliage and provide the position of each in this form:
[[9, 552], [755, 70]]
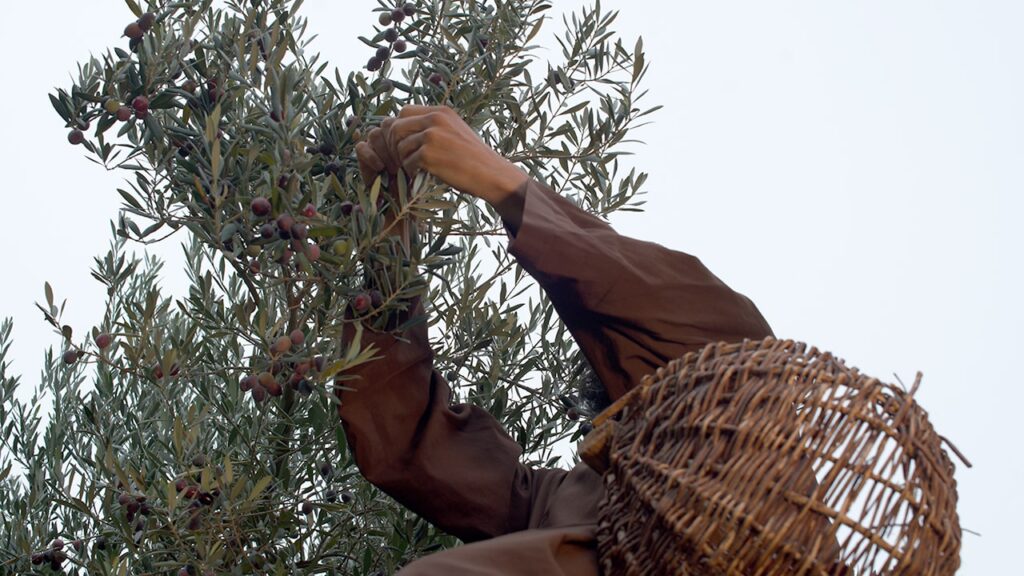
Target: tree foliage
[[154, 453]]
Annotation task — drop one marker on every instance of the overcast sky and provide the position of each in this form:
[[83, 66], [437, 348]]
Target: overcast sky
[[853, 167]]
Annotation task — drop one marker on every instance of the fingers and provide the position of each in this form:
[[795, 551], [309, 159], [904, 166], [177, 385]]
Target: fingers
[[402, 128], [377, 139], [397, 142], [412, 110], [370, 164], [392, 151], [410, 144], [414, 162]]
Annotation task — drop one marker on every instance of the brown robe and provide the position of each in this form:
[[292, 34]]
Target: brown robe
[[632, 306]]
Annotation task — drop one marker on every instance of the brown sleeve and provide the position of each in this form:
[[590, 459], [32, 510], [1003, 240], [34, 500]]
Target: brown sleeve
[[453, 465], [632, 306]]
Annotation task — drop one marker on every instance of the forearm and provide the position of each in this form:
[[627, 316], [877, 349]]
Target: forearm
[[503, 187]]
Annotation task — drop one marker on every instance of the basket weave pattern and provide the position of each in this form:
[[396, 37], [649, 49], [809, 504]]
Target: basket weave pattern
[[769, 458]]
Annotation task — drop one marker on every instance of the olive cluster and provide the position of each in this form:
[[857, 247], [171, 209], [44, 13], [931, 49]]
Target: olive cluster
[[198, 499], [137, 29], [103, 341], [134, 506], [295, 374], [55, 555], [284, 227], [391, 35], [290, 361], [138, 108], [290, 364], [331, 495]]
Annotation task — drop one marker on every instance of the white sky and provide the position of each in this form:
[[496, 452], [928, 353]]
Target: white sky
[[853, 167]]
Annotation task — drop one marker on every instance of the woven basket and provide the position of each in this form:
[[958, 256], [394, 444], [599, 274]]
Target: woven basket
[[768, 458]]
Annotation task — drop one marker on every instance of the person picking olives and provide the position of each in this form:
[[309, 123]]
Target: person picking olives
[[632, 306]]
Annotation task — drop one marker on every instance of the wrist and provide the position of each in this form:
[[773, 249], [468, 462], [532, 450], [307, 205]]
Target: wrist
[[508, 197], [502, 182]]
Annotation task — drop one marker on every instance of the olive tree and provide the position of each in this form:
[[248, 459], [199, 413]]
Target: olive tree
[[198, 433]]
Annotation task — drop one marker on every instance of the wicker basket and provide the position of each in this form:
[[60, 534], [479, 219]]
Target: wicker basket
[[768, 458]]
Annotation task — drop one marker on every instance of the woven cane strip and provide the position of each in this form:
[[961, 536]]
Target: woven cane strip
[[769, 458]]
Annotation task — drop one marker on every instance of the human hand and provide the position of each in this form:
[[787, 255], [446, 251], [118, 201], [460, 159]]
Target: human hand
[[435, 139], [375, 157]]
